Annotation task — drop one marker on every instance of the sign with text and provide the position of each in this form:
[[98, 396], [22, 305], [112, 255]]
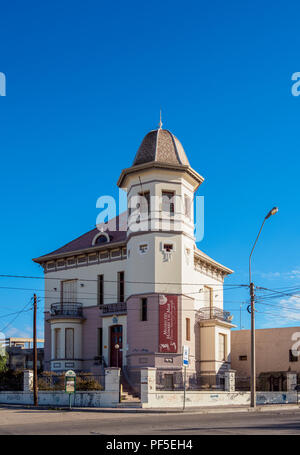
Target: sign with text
[[185, 356], [70, 381], [168, 323]]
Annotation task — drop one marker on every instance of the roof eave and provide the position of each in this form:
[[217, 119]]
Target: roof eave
[[153, 164], [53, 256], [212, 262]]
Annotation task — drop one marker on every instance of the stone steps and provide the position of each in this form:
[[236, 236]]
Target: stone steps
[[129, 404], [129, 398]]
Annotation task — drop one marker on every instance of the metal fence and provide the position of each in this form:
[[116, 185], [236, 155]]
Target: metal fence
[[191, 381], [84, 382], [264, 383]]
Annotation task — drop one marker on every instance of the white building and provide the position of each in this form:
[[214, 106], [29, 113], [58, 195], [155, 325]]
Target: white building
[[146, 288]]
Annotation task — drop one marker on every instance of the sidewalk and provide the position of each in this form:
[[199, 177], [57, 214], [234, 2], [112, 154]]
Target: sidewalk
[[190, 410]]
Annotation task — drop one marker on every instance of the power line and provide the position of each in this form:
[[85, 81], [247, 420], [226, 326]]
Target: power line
[[11, 314], [18, 313], [281, 316], [124, 281], [93, 293], [279, 307]]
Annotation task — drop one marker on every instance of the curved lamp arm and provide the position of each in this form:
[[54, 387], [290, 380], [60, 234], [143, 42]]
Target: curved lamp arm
[[271, 212]]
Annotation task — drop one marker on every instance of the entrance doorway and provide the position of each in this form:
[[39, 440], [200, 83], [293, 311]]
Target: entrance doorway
[[116, 338]]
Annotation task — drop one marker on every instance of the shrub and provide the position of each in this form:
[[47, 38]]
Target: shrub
[[86, 383]]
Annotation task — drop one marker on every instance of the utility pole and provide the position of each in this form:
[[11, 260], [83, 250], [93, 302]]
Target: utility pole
[[35, 387], [252, 310], [253, 369]]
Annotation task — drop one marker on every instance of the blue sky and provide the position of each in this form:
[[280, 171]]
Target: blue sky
[[85, 82]]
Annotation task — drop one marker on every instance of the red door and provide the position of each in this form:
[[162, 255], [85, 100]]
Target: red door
[[116, 339]]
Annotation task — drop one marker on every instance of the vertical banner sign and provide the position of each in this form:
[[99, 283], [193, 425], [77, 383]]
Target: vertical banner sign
[[185, 356], [168, 323]]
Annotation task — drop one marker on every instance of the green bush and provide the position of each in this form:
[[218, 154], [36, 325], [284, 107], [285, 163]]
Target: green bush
[[87, 383], [3, 364]]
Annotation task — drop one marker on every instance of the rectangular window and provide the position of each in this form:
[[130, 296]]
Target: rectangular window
[[242, 357], [168, 247], [144, 248], [208, 299], [144, 309], [100, 344], [168, 202], [145, 202], [222, 347], [56, 344], [187, 207], [69, 291], [100, 289], [188, 329], [293, 357], [121, 287], [69, 343]]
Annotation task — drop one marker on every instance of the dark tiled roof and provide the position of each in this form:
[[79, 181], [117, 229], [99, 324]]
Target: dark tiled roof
[[85, 241], [161, 146]]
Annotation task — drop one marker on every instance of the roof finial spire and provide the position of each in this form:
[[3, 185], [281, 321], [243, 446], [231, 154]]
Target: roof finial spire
[[160, 122]]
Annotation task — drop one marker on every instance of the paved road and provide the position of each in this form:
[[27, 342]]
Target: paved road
[[42, 422]]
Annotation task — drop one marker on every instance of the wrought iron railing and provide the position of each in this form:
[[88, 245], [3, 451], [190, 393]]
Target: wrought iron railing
[[114, 308], [66, 309], [214, 313]]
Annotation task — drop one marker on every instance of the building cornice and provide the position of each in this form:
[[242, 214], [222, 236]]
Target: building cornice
[[201, 257], [159, 165]]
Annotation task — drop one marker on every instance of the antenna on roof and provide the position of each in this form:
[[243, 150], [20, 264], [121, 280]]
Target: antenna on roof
[[160, 122], [141, 185]]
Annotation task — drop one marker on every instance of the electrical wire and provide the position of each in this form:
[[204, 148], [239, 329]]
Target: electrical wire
[[124, 281], [18, 314]]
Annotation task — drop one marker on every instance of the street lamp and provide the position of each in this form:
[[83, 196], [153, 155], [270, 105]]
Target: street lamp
[[253, 370]]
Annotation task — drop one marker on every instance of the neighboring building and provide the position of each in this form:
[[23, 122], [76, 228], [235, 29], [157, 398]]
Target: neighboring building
[[275, 355], [21, 342], [20, 357], [149, 291]]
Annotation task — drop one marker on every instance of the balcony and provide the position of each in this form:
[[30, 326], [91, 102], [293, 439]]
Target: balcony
[[207, 313], [113, 308], [66, 310]]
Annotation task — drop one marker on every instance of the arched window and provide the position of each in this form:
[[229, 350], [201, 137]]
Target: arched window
[[100, 238]]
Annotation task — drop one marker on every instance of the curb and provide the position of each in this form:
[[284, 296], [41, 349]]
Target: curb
[[207, 410]]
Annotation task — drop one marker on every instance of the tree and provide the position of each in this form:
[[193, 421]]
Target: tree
[[3, 366]]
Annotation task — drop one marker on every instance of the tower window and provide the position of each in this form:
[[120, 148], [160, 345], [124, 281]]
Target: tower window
[[187, 207], [168, 202], [144, 248], [145, 202]]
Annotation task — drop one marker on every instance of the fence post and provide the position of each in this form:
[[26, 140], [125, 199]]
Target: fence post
[[148, 383], [230, 381], [291, 381], [28, 381], [112, 382]]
